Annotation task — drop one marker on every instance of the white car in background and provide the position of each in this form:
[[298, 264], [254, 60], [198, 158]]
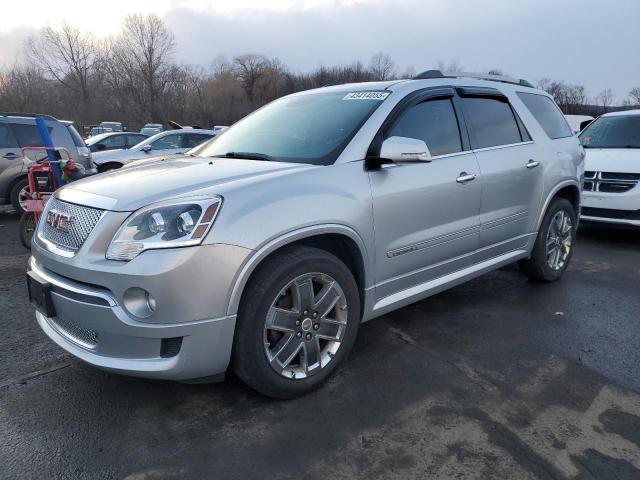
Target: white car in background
[[152, 128], [612, 169], [164, 143]]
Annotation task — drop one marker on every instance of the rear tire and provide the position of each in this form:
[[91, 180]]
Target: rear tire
[[554, 244], [298, 320], [17, 195], [27, 227]]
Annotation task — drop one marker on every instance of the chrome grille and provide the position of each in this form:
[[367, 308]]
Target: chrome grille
[[83, 336], [82, 222], [610, 182]]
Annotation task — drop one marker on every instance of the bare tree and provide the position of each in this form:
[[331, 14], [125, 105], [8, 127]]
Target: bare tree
[[605, 98], [453, 66], [634, 96], [382, 67], [69, 56], [142, 57]]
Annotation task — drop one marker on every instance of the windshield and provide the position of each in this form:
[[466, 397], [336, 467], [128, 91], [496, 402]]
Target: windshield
[[310, 128], [621, 131]]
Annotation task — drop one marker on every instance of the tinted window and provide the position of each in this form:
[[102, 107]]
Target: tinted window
[[195, 139], [134, 139], [114, 141], [620, 131], [7, 140], [547, 114], [77, 139], [433, 121], [492, 120], [168, 142], [27, 135]]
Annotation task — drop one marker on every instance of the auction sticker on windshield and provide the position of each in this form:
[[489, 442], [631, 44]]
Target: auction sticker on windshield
[[366, 96]]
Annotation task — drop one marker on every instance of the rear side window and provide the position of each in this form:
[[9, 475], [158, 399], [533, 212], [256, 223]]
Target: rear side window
[[547, 114], [7, 140], [27, 135], [433, 121], [193, 140], [492, 120]]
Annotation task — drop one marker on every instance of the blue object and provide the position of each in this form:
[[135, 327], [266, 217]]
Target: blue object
[[47, 142]]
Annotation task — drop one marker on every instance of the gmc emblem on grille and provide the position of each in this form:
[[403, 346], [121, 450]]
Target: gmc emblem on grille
[[59, 220]]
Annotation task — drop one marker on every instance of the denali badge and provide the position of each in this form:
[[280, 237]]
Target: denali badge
[[59, 220]]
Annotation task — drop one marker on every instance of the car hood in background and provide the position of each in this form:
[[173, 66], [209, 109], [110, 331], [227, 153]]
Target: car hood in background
[[618, 160], [131, 188]]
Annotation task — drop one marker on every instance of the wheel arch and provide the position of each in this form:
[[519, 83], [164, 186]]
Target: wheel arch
[[11, 184], [340, 240], [570, 190]]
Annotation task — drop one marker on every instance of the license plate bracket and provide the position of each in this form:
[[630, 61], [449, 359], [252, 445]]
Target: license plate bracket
[[40, 296]]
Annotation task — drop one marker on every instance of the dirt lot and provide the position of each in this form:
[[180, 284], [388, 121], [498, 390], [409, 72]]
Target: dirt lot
[[498, 378]]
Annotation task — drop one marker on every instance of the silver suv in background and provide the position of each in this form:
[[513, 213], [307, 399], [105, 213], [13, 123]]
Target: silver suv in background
[[265, 249], [19, 130]]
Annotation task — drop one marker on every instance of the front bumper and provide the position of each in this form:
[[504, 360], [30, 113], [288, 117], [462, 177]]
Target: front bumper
[[192, 287], [617, 208]]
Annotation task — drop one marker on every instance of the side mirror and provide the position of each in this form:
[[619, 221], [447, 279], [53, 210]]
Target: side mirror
[[101, 146], [146, 148], [400, 150]]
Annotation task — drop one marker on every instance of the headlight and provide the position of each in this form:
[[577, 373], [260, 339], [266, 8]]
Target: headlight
[[179, 222]]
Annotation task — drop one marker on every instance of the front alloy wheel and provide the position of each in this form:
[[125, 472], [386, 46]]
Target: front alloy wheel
[[305, 325], [297, 321]]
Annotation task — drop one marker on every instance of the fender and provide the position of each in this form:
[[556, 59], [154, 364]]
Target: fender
[[289, 237], [552, 194]]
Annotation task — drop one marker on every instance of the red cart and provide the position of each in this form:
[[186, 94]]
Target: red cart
[[42, 183]]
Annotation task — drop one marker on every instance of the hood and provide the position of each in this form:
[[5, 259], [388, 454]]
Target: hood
[[132, 188], [618, 160]]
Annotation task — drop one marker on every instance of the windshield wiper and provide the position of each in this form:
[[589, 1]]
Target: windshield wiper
[[247, 155]]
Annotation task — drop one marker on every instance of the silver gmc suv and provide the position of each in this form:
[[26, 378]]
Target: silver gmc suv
[[264, 249]]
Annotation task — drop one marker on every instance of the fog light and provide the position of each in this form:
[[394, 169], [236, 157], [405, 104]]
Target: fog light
[[139, 302]]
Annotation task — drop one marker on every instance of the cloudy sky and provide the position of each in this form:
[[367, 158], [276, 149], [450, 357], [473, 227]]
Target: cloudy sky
[[589, 42]]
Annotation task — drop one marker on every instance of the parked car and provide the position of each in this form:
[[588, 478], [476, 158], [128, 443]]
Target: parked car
[[612, 176], [258, 251], [114, 141], [98, 130], [576, 122], [19, 130], [114, 126], [151, 128], [165, 143]]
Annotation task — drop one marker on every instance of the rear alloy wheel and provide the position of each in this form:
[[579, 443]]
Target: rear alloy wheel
[[19, 196], [27, 227], [553, 249], [298, 320]]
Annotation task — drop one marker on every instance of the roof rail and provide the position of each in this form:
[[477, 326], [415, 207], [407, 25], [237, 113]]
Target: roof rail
[[480, 76], [26, 115]]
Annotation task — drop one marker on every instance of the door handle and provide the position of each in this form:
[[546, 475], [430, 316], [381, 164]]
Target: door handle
[[10, 156], [465, 177], [532, 164]]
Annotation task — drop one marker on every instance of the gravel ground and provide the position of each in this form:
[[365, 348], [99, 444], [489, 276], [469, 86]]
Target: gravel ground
[[497, 378]]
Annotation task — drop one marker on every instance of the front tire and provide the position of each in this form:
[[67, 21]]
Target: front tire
[[26, 228], [553, 249], [298, 320]]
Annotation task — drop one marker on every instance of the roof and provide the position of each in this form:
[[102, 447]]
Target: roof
[[622, 113]]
